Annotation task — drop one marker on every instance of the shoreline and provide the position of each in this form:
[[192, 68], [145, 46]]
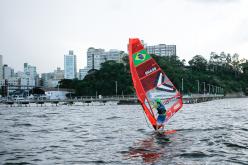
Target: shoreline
[[193, 99]]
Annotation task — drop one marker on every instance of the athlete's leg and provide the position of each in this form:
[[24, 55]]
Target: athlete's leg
[[163, 127]]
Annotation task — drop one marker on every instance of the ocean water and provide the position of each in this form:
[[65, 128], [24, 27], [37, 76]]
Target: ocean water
[[214, 132]]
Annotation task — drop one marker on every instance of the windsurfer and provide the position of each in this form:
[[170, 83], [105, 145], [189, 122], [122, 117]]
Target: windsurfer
[[161, 114]]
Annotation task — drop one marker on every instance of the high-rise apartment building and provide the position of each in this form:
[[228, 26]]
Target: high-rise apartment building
[[161, 50], [58, 74], [8, 72], [45, 78], [30, 74], [52, 79], [30, 70], [70, 66], [95, 57], [115, 55]]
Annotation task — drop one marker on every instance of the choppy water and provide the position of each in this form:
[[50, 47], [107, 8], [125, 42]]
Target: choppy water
[[214, 132]]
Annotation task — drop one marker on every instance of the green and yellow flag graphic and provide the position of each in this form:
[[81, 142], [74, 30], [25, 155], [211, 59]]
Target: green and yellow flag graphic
[[140, 57]]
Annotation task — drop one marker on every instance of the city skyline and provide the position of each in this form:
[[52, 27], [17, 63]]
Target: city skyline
[[88, 65], [40, 32]]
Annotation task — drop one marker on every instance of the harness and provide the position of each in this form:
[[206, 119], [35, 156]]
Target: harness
[[161, 109]]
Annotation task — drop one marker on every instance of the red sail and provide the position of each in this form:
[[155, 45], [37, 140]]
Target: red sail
[[151, 83]]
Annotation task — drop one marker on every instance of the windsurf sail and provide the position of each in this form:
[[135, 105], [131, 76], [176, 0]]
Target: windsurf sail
[[151, 83]]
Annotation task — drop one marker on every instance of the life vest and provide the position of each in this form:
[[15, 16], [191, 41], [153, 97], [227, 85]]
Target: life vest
[[161, 109]]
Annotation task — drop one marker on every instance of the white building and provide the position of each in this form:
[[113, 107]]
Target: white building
[[83, 73], [11, 81], [115, 55], [45, 78], [56, 94], [30, 75], [20, 74], [58, 74], [2, 82], [30, 70], [8, 72], [161, 50], [27, 81], [70, 66], [16, 79], [52, 79], [95, 57]]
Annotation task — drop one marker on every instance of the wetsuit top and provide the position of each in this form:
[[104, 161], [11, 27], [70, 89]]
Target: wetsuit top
[[161, 109]]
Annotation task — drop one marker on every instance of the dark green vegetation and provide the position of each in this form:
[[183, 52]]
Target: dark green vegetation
[[221, 71], [103, 81]]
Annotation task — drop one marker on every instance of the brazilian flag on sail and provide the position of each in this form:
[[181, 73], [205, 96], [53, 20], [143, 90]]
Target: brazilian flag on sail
[[140, 57]]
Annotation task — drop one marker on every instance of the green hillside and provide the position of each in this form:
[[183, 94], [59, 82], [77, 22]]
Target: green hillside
[[217, 73]]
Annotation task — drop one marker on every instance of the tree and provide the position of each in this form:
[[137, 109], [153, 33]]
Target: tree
[[103, 81], [198, 62]]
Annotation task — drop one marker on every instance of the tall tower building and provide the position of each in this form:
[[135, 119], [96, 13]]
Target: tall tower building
[[8, 72], [30, 70], [95, 57], [30, 75], [1, 67], [70, 66]]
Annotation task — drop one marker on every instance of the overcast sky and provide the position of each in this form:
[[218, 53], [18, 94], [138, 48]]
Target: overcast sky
[[40, 32]]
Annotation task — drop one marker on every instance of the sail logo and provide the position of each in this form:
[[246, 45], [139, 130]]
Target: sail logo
[[164, 87], [150, 70], [176, 106], [140, 57]]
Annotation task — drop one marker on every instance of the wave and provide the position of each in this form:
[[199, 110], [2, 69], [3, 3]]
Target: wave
[[113, 117], [232, 145], [195, 154]]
